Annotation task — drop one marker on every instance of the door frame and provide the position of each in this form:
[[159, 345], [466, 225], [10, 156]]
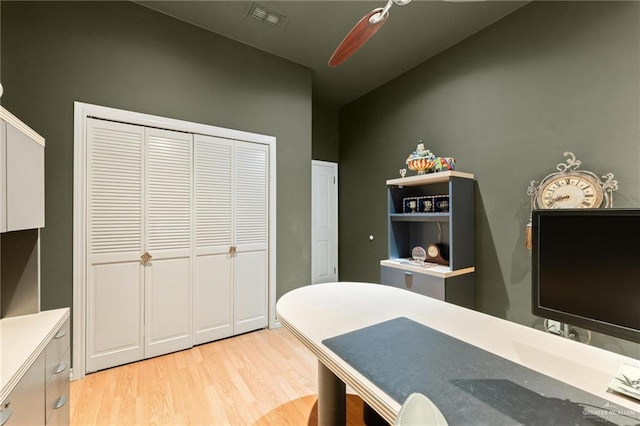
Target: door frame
[[82, 111], [334, 168]]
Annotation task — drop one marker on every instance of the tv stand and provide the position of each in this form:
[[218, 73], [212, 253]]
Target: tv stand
[[566, 330]]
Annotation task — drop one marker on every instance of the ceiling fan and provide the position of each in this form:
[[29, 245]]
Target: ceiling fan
[[363, 30]]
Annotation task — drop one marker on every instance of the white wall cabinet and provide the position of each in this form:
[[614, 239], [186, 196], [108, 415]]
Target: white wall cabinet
[[34, 345], [178, 239], [22, 169]]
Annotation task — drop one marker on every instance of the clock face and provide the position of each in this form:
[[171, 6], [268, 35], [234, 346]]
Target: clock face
[[570, 190], [433, 251]]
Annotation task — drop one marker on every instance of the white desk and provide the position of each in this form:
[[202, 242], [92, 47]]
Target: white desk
[[317, 312]]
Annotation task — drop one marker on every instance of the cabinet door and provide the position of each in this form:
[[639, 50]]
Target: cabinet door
[[26, 400], [251, 207], [24, 181], [213, 292], [168, 241], [115, 283]]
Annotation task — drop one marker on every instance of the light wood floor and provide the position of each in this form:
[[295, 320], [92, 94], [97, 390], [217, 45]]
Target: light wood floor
[[262, 378]]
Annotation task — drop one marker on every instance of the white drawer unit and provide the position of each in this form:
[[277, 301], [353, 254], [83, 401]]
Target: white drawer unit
[[18, 408], [34, 379], [451, 286], [58, 361]]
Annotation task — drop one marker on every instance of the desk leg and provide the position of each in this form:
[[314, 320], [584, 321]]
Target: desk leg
[[332, 397]]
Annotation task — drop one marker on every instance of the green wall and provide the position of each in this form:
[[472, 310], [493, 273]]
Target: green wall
[[507, 102], [326, 133], [122, 55]]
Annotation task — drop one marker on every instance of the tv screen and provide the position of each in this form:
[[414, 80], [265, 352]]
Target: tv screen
[[586, 269]]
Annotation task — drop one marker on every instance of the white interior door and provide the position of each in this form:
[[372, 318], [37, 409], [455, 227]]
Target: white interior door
[[324, 222], [115, 286], [168, 241], [213, 292], [251, 213]]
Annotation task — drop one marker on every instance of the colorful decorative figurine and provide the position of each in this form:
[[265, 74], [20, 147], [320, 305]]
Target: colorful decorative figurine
[[445, 163], [424, 161], [421, 160]]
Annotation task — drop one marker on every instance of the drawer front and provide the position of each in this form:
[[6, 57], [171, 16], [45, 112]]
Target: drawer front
[[424, 284], [24, 404], [60, 415], [56, 385], [57, 348]]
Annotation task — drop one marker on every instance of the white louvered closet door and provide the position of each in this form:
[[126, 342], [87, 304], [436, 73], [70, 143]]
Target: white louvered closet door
[[168, 241], [213, 291], [251, 207], [115, 289]]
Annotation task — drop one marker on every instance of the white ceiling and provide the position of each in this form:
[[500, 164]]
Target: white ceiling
[[313, 29]]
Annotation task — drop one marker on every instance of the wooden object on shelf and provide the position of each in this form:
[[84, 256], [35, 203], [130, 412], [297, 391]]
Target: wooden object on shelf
[[453, 229]]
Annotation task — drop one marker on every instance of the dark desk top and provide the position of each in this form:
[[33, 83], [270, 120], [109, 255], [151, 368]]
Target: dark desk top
[[469, 385]]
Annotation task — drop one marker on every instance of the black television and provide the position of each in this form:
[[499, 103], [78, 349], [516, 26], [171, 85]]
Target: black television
[[586, 269]]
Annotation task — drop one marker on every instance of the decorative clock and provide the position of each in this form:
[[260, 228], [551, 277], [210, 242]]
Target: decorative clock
[[572, 188], [437, 253]]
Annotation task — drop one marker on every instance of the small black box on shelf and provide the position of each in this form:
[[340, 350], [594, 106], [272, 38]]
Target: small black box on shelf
[[410, 205], [441, 204], [426, 204]]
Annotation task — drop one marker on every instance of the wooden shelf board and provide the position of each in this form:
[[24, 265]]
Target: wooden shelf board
[[419, 217], [437, 271], [428, 178]]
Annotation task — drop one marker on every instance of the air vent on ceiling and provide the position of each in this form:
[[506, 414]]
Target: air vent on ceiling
[[266, 15]]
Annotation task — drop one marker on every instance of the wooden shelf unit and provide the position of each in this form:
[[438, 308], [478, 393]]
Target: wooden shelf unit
[[455, 229]]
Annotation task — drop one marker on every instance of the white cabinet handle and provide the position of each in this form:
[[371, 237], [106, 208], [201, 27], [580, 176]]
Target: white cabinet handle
[[60, 402], [60, 368], [60, 334], [5, 415], [408, 279]]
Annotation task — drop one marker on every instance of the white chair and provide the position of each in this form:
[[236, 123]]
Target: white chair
[[418, 410]]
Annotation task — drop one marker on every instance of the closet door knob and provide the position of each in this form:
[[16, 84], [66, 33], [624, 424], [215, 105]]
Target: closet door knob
[[146, 257], [232, 249]]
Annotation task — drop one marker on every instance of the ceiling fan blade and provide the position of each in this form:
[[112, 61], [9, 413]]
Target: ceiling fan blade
[[358, 36]]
